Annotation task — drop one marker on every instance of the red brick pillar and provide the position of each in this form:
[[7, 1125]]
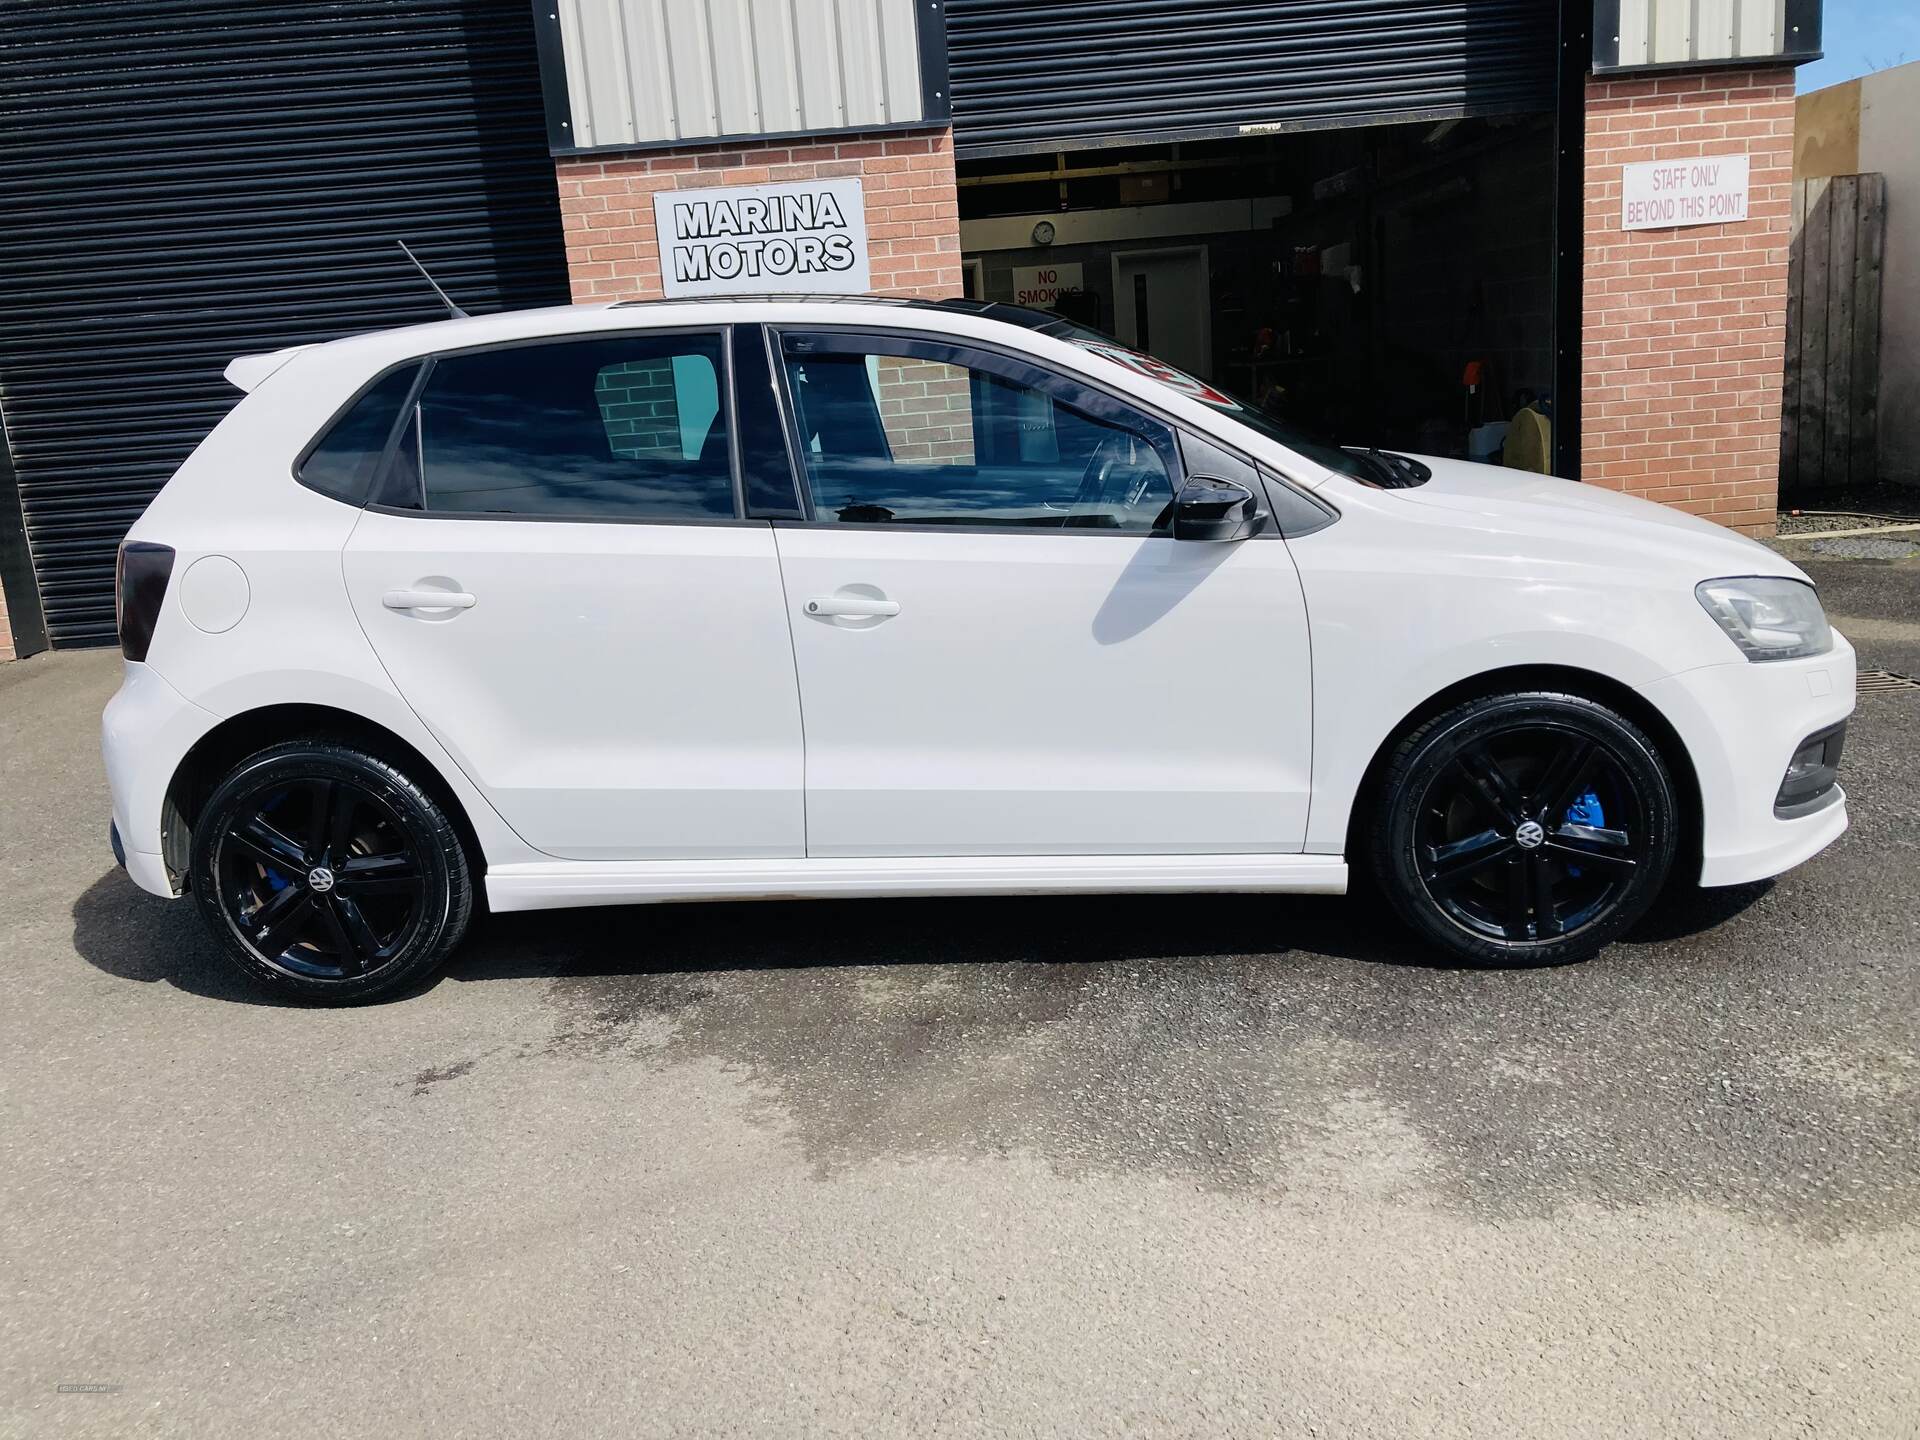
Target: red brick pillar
[[1685, 329], [913, 211]]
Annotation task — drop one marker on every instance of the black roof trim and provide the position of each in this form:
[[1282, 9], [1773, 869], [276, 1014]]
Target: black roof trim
[[991, 309]]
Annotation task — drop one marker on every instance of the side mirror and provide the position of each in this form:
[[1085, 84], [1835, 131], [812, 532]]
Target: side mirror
[[1209, 509]]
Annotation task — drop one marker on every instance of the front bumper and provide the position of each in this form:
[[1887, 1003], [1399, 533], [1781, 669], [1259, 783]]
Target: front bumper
[[1741, 723]]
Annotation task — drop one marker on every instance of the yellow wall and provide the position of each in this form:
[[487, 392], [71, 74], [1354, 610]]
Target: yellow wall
[[1826, 132]]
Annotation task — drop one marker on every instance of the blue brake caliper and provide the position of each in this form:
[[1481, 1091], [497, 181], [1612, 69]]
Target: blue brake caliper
[[1584, 811], [275, 880]]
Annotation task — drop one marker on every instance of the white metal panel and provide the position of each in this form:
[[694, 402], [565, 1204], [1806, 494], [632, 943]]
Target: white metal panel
[[899, 57], [609, 95], [1678, 32], [863, 82], [817, 44], [573, 52], [690, 63], [1672, 29], [776, 64], [736, 96], [649, 107], [640, 72], [1763, 26], [1634, 40], [1713, 37]]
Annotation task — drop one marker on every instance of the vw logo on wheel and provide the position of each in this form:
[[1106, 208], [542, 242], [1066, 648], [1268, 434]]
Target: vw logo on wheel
[[1529, 835], [320, 879]]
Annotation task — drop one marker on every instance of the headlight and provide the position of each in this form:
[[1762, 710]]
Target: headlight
[[1767, 617]]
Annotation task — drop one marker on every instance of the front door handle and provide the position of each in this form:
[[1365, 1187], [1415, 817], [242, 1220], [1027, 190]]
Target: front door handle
[[852, 605], [427, 600]]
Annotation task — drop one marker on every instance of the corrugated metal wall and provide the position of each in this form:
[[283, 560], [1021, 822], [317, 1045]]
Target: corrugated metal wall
[[183, 182], [643, 72], [1633, 34], [1031, 76]]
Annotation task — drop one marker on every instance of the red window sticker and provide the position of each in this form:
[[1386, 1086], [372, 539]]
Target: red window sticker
[[1159, 370]]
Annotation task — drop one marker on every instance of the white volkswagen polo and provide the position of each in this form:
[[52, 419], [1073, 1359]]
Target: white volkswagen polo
[[689, 601]]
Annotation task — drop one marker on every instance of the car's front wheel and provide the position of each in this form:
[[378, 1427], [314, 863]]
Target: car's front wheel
[[1524, 829], [328, 874]]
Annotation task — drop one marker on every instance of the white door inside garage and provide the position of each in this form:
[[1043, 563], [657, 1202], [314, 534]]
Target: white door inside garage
[[1160, 303]]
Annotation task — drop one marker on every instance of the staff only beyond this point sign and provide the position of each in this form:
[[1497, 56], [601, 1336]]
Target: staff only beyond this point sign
[[807, 237], [1664, 194]]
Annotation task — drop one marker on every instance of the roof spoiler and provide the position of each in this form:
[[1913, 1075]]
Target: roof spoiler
[[245, 372]]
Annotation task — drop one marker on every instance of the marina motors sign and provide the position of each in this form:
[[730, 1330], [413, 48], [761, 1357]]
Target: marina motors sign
[[1661, 194], [810, 236]]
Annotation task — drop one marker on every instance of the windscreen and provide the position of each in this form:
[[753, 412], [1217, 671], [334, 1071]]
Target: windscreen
[[1295, 439]]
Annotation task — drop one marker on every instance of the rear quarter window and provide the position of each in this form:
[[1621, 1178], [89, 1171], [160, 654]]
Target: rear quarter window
[[342, 461]]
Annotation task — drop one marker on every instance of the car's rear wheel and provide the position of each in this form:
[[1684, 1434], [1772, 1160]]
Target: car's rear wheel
[[328, 874], [1524, 829]]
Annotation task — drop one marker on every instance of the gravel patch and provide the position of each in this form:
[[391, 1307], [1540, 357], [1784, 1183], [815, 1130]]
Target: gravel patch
[[1804, 524], [1866, 547], [1884, 498]]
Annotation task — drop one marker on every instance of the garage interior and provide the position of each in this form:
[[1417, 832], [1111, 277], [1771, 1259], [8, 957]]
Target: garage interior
[[1388, 285], [1344, 213]]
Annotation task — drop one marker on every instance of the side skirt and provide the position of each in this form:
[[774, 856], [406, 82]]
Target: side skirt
[[546, 885]]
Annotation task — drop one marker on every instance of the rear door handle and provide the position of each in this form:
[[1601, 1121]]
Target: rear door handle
[[852, 605], [427, 600]]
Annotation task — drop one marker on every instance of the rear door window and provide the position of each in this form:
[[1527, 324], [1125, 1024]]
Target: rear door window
[[630, 427]]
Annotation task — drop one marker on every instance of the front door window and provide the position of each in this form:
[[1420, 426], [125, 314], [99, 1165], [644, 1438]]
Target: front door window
[[907, 432]]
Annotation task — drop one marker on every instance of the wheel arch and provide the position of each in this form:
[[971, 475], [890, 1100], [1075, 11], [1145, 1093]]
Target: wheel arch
[[215, 753], [1567, 679]]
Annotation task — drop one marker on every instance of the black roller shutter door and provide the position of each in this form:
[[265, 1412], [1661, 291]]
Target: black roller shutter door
[[1039, 77], [181, 183]]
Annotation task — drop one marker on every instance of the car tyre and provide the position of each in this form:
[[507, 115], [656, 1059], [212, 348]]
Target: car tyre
[[1523, 829], [327, 874]]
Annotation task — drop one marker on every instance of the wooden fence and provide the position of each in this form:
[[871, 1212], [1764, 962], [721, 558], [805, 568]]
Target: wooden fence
[[1830, 412]]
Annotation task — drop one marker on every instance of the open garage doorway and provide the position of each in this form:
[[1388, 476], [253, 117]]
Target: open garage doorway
[[1383, 285]]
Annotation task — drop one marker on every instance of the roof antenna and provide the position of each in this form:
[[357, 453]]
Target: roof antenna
[[445, 299]]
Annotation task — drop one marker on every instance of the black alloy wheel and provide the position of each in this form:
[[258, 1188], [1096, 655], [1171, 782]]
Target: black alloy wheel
[[327, 873], [1525, 829]]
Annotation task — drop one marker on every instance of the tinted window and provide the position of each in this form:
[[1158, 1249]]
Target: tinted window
[[629, 427], [344, 460], [1296, 439], [909, 433], [400, 485], [766, 471]]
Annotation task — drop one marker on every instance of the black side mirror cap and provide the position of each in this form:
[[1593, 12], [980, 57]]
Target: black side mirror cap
[[1216, 510]]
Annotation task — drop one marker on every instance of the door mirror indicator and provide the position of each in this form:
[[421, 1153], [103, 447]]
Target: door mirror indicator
[[1209, 509]]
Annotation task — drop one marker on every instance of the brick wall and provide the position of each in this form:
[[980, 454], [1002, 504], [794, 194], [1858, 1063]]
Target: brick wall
[[640, 407], [926, 410], [913, 213], [1684, 332]]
